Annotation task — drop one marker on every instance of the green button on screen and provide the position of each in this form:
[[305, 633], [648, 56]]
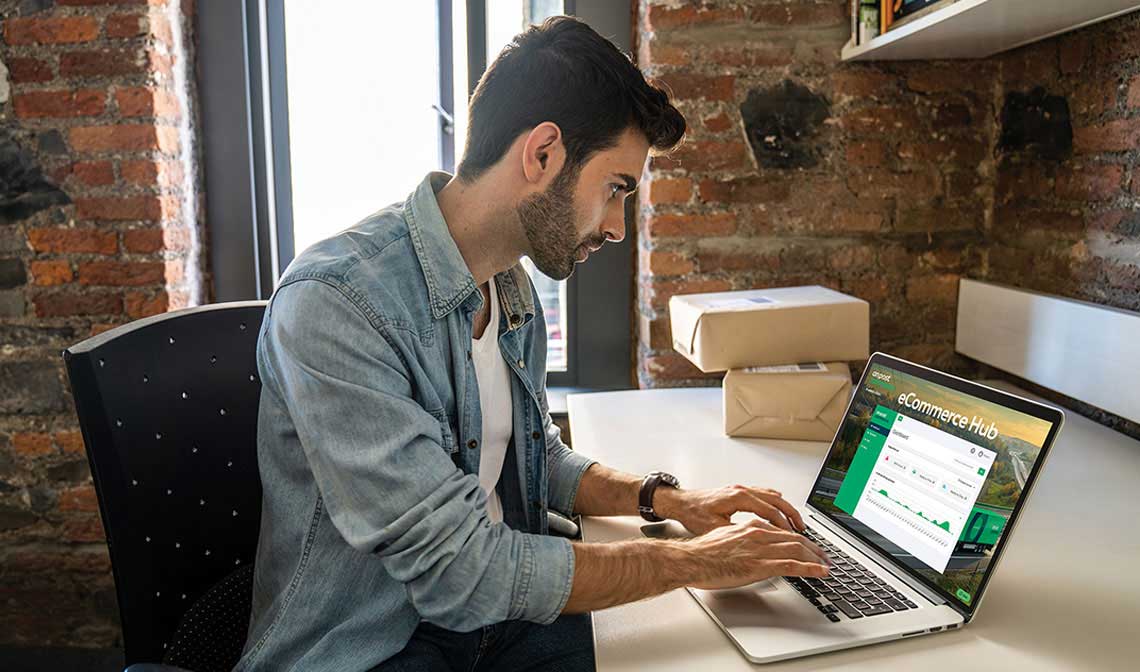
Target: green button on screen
[[963, 595]]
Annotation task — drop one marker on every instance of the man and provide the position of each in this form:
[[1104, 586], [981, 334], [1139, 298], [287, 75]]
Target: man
[[407, 455]]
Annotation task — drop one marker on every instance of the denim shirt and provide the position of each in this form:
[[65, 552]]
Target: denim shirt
[[368, 448]]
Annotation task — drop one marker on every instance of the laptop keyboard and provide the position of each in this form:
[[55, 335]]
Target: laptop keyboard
[[851, 590]]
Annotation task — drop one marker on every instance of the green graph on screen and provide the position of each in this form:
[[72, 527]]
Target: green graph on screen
[[944, 524]]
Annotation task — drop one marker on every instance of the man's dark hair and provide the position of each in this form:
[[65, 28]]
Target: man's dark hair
[[564, 72]]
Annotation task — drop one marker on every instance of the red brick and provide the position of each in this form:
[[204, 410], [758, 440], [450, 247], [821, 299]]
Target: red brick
[[658, 263], [800, 14], [1022, 182], [67, 304], [864, 82], [885, 119], [126, 25], [850, 257], [744, 190], [711, 261], [146, 102], [80, 103], [122, 273], [79, 498], [656, 52], [752, 56], [655, 334], [82, 529], [104, 63], [151, 208], [71, 443], [141, 304], [690, 226], [31, 444], [1075, 51], [49, 273], [1134, 92], [918, 218], [866, 153], [945, 78], [883, 184], [94, 173], [164, 174], [659, 17], [691, 86], [659, 291], [55, 30], [873, 288], [143, 241], [29, 70], [1097, 182], [1114, 136], [64, 241], [959, 152], [136, 137], [933, 288], [850, 220], [718, 123], [664, 190], [704, 155]]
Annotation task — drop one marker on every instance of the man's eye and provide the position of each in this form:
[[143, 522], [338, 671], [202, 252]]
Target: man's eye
[[614, 189]]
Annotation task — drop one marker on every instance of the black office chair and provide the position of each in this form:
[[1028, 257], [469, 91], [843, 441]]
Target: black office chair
[[168, 409]]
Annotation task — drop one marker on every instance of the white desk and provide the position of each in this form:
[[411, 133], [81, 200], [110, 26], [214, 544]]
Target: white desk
[[1066, 595]]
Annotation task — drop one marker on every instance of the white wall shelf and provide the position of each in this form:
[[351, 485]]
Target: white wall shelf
[[980, 28]]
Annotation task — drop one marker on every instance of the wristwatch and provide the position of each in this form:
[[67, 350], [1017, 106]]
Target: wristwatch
[[648, 487]]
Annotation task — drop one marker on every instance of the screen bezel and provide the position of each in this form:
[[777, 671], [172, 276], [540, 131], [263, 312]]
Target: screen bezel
[[1048, 414]]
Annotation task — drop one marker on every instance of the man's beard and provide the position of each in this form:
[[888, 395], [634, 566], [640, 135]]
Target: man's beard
[[549, 220]]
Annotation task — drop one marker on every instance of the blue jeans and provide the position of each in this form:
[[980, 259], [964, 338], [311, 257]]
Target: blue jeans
[[566, 645]]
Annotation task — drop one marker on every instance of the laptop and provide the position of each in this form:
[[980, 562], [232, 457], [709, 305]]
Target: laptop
[[915, 502]]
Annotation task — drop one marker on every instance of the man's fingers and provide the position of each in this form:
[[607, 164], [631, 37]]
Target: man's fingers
[[748, 501], [785, 508], [796, 568]]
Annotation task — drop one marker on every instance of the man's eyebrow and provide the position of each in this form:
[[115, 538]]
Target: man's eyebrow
[[630, 182]]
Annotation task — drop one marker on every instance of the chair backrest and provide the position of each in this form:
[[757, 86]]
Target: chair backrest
[[168, 408]]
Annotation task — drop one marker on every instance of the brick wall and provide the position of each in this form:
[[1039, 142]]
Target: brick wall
[[888, 181], [98, 226]]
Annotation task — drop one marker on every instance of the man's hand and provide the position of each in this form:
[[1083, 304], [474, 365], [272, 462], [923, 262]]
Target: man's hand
[[737, 555], [703, 510]]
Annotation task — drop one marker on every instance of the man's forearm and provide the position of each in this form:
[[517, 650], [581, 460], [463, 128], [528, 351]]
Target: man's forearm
[[608, 492], [609, 574]]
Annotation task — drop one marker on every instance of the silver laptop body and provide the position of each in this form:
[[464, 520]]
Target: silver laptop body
[[771, 620]]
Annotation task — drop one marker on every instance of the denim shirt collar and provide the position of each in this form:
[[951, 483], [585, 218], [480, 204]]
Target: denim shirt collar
[[449, 281]]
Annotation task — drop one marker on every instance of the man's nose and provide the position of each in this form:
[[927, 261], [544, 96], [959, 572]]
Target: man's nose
[[614, 227]]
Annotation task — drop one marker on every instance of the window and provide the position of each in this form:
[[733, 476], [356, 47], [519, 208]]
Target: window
[[344, 112]]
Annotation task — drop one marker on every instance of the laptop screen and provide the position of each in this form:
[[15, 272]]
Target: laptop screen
[[929, 474]]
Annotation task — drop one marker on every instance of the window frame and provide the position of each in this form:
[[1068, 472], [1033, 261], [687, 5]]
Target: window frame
[[246, 164]]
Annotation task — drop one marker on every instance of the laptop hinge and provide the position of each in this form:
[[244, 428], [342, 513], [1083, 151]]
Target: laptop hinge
[[886, 562]]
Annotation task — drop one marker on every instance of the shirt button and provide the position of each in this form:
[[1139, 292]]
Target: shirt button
[[522, 364], [468, 354], [536, 435], [472, 444], [515, 319]]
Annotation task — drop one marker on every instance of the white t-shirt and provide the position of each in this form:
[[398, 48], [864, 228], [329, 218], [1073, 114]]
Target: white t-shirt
[[494, 382]]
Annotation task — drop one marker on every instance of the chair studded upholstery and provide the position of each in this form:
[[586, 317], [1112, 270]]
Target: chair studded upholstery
[[168, 408]]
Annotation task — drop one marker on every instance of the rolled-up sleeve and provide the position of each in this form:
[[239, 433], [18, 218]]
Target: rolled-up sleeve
[[388, 484], [564, 467]]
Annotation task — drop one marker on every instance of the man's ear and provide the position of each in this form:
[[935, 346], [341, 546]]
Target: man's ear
[[543, 153]]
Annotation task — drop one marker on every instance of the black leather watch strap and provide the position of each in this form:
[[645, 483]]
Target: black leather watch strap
[[649, 485]]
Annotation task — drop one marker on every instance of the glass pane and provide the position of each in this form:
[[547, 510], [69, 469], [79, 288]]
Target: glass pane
[[505, 19], [362, 132]]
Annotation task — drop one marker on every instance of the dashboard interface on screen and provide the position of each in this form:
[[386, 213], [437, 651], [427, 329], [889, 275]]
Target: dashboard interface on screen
[[929, 474]]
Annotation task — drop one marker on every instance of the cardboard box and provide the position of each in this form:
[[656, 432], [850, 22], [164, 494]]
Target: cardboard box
[[733, 330], [796, 401]]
